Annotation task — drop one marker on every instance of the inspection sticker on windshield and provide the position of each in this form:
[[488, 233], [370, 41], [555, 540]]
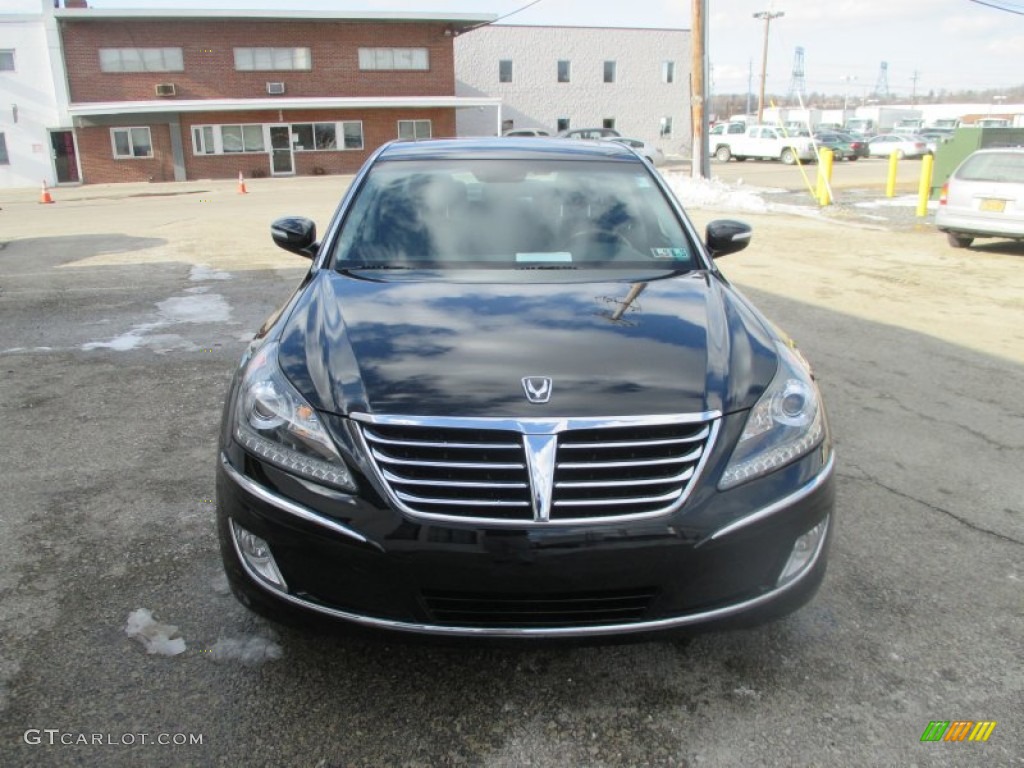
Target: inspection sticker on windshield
[[556, 256], [669, 253]]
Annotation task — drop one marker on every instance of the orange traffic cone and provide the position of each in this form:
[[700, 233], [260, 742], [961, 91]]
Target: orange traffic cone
[[241, 185], [44, 196]]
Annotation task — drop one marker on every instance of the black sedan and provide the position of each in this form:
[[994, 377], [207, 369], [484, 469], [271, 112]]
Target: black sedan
[[514, 396], [843, 145]]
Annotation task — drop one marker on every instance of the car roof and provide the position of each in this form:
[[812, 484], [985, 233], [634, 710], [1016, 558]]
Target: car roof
[[507, 147]]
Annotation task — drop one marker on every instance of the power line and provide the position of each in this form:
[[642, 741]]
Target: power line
[[495, 21], [1018, 10]]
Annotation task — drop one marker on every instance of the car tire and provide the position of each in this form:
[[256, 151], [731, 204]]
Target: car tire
[[853, 158], [722, 154], [788, 157], [959, 241]]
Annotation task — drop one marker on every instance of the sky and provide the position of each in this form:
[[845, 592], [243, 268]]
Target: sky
[[951, 44]]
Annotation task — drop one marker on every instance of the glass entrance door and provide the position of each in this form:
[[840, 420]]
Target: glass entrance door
[[65, 157], [282, 161]]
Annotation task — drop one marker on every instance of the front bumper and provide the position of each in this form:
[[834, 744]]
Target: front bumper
[[389, 575]]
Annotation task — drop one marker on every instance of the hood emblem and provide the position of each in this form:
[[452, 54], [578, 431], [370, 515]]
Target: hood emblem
[[537, 388]]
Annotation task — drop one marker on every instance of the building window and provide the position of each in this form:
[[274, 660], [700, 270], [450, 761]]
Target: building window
[[5, 159], [311, 137], [306, 137], [505, 71], [272, 59], [668, 71], [7, 61], [131, 142], [414, 129], [242, 138], [352, 132], [608, 122], [609, 71], [563, 124], [141, 60], [202, 140], [563, 71], [394, 58], [665, 131]]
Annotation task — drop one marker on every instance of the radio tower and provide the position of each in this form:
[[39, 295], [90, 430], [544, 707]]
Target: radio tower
[[797, 85], [882, 86]]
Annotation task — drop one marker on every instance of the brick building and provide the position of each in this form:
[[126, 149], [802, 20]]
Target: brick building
[[174, 95]]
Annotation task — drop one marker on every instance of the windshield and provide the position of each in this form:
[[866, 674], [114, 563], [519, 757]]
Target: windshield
[[523, 213], [993, 166]]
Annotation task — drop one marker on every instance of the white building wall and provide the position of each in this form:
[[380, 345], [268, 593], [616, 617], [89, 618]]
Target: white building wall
[[637, 100], [30, 104]]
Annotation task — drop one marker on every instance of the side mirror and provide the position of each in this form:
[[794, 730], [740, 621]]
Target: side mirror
[[724, 236], [296, 235]]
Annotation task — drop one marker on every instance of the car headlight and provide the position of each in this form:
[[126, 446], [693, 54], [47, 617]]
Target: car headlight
[[274, 422], [785, 424]]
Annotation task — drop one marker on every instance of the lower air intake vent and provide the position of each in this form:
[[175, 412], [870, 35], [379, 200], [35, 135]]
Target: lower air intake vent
[[577, 609]]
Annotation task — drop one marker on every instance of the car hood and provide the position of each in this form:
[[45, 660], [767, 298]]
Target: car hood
[[433, 347]]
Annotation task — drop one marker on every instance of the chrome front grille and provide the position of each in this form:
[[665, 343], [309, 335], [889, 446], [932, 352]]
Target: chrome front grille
[[625, 470], [538, 471], [457, 472]]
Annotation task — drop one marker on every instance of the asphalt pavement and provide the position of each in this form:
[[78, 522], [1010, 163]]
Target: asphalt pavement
[[125, 310]]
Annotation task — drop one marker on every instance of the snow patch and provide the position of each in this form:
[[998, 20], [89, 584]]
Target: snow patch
[[205, 308], [220, 585], [155, 637], [205, 272], [903, 201], [201, 308], [125, 341], [250, 651], [715, 194]]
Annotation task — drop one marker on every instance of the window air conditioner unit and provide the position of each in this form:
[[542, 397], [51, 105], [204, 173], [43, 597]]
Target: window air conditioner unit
[[275, 89], [165, 89]]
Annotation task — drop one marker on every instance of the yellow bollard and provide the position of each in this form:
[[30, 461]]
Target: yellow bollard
[[924, 186], [824, 190], [890, 181]]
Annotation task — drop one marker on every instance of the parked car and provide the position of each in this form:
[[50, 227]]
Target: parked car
[[719, 129], [763, 142], [898, 144], [525, 132], [984, 197], [514, 396], [843, 145], [934, 139], [646, 149], [587, 133]]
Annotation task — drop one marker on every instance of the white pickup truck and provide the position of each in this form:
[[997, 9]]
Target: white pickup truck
[[763, 142]]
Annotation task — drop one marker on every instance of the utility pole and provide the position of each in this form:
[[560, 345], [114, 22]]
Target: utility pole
[[750, 80], [700, 165], [767, 16], [913, 88]]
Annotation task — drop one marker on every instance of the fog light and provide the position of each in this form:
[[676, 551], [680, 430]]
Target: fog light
[[804, 550], [256, 554]]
